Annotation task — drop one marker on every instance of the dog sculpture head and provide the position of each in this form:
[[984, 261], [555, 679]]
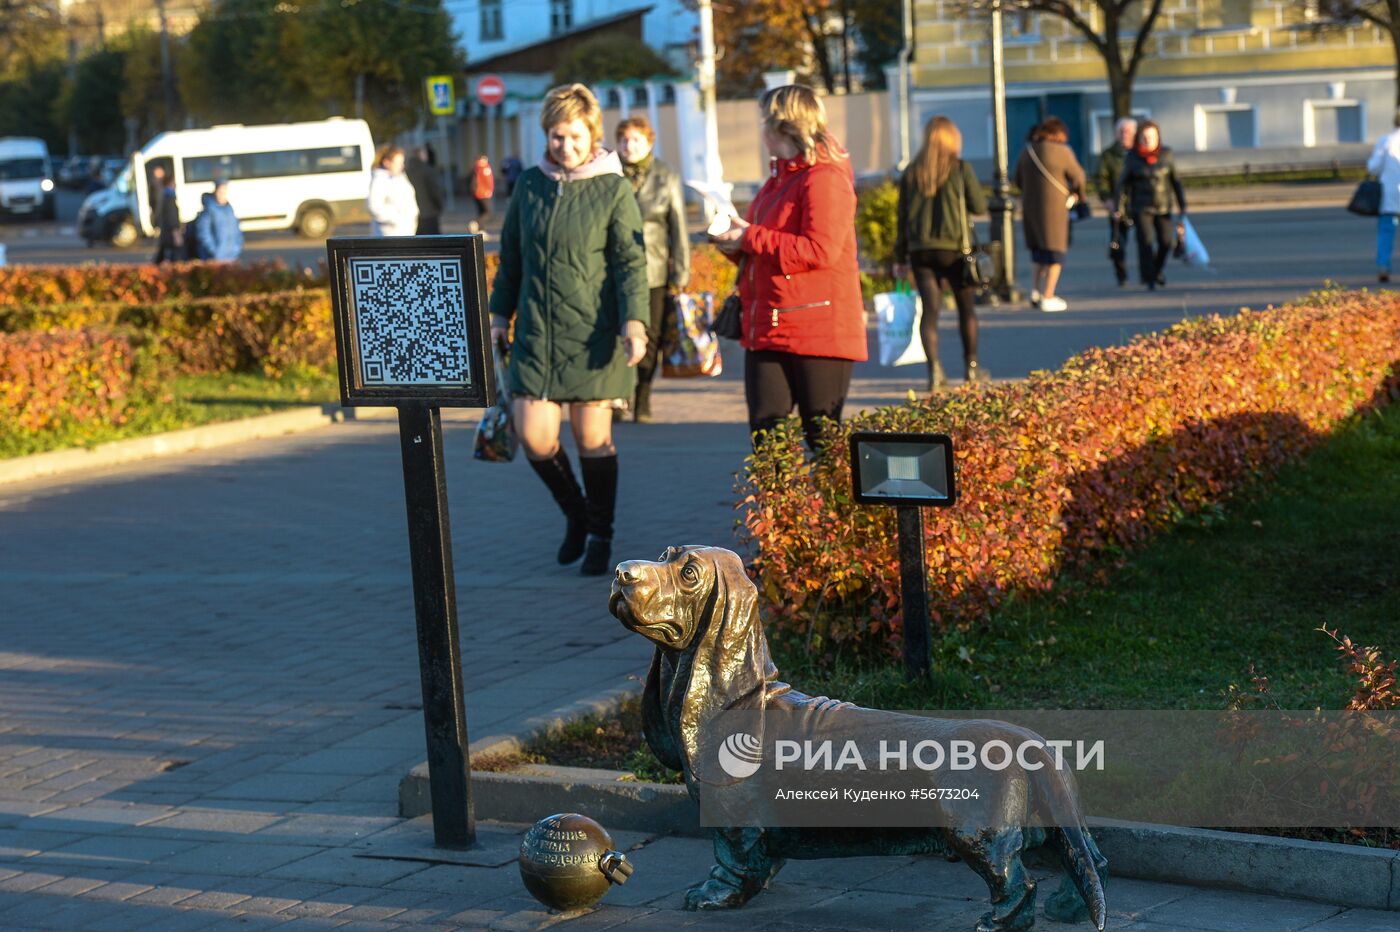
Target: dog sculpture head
[[697, 605]]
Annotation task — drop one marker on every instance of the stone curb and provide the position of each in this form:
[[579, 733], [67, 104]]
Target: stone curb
[[208, 436], [1343, 875]]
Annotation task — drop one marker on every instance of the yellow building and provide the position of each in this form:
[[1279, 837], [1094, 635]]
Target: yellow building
[[1230, 81]]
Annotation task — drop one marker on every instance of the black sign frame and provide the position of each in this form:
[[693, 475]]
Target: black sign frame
[[470, 251]]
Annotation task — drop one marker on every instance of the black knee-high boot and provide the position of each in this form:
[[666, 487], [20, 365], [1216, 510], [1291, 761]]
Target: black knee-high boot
[[600, 483], [558, 475]]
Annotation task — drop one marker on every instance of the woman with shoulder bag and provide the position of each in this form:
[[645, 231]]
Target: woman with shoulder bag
[[803, 318], [1051, 182], [658, 191], [937, 194], [573, 276]]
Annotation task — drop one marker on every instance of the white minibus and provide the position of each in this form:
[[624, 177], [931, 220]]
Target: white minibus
[[302, 176], [26, 178]]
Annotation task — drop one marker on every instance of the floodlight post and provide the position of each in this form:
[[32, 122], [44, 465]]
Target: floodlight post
[[913, 591]]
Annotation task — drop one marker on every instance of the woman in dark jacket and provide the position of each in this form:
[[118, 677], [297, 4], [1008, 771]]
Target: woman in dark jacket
[[1051, 182], [803, 316], [658, 191], [573, 275], [1147, 184], [938, 192]]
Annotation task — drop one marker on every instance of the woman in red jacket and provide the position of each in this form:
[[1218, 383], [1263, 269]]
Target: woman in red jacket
[[804, 320]]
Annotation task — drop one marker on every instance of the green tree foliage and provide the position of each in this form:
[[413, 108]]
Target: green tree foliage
[[31, 70], [371, 56], [610, 58], [142, 96], [91, 101], [248, 62]]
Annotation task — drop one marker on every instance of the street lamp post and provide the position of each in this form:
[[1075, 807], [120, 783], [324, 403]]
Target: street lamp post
[[1001, 206]]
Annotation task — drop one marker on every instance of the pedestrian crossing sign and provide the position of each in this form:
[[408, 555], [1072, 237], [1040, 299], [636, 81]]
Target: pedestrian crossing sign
[[441, 99]]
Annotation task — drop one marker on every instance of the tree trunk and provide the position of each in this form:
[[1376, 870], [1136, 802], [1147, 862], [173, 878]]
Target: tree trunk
[[819, 49]]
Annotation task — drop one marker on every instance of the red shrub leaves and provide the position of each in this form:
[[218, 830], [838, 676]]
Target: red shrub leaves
[[1096, 457], [50, 380]]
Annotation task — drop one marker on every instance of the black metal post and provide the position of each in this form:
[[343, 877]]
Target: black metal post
[[913, 592], [435, 605]]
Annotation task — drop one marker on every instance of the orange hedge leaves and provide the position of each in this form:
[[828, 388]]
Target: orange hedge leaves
[[1098, 456], [49, 380], [47, 285]]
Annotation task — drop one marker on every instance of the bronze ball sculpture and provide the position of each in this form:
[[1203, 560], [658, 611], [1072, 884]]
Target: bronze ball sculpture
[[567, 861], [698, 606]]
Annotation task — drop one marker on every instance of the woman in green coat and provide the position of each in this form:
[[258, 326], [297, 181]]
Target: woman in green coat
[[573, 276]]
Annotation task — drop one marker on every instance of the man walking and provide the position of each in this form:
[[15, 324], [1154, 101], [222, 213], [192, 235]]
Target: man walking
[[427, 188], [1105, 180]]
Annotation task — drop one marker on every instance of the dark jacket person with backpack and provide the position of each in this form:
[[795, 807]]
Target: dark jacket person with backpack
[[938, 192], [217, 235]]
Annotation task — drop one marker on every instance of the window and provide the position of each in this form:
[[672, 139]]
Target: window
[[1225, 126], [1236, 13], [273, 164], [492, 24], [1020, 26], [639, 96], [561, 16], [1333, 122]]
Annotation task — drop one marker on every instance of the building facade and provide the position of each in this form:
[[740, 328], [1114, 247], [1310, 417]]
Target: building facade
[[493, 28], [1232, 82]]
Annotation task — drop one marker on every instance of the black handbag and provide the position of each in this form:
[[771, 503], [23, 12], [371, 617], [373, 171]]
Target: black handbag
[[1366, 199], [729, 322], [978, 267], [1080, 211]]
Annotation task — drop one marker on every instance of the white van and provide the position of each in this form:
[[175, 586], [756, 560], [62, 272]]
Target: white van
[[302, 176], [26, 178]]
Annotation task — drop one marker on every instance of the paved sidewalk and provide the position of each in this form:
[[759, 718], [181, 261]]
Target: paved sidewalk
[[209, 690]]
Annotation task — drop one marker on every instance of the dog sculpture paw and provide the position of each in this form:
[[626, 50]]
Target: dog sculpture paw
[[715, 894]]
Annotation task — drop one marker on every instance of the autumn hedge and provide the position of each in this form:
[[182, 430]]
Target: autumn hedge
[[1063, 467], [32, 286], [85, 377]]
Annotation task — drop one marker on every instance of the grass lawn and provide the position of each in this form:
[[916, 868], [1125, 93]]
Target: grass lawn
[[194, 400], [1183, 618]]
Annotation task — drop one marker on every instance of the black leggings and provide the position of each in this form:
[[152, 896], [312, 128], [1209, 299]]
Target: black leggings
[[646, 369], [1155, 236], [774, 381], [935, 270]]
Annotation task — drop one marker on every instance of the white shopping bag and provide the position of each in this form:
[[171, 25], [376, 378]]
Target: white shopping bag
[[1194, 251], [898, 313]]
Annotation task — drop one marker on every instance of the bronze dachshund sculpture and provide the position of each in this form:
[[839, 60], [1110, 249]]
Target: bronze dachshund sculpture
[[700, 609]]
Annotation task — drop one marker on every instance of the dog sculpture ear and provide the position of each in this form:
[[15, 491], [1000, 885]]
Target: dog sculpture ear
[[655, 729], [729, 668]]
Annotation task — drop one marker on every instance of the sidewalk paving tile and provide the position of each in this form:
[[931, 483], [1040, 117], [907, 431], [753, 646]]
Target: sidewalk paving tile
[[242, 858], [1359, 920], [116, 851], [340, 865], [1226, 911]]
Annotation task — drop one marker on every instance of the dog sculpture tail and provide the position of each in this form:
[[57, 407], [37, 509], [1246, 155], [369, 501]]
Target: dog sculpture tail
[[1066, 827]]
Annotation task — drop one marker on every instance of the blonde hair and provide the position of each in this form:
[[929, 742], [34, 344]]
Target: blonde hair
[[639, 123], [796, 112], [386, 153], [941, 150], [569, 102]]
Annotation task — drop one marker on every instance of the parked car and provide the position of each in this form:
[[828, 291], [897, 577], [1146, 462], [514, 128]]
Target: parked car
[[73, 172]]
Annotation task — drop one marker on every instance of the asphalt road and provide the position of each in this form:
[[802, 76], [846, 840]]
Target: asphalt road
[[1260, 256]]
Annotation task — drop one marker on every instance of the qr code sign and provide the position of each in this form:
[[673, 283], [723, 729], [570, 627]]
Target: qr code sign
[[411, 318]]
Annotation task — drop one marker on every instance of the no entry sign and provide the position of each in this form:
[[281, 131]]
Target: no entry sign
[[490, 90]]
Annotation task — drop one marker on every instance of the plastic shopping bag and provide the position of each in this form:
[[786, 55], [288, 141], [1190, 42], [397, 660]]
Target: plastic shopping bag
[[1194, 251], [689, 347], [496, 439], [898, 314]]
